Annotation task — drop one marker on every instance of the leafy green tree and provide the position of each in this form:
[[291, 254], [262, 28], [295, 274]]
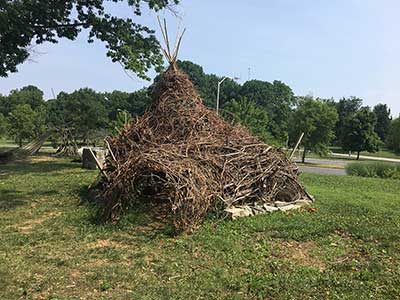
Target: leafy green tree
[[22, 123], [316, 119], [134, 103], [345, 108], [3, 104], [26, 22], [27, 95], [383, 119], [393, 136], [79, 114], [277, 99], [116, 101], [122, 119], [195, 73], [3, 125], [249, 115], [358, 132], [40, 121]]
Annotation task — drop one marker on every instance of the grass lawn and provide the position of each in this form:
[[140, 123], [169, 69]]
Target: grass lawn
[[6, 144], [52, 248]]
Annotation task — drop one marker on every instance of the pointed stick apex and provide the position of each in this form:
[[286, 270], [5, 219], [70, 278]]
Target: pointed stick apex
[[170, 56]]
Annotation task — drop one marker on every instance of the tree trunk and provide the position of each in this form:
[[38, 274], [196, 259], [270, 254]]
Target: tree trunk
[[303, 159], [358, 155]]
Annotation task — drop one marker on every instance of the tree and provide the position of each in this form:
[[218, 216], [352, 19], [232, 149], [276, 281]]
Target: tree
[[26, 22], [277, 99], [122, 119], [3, 104], [3, 125], [383, 119], [317, 119], [40, 121], [134, 103], [83, 111], [27, 95], [345, 108], [22, 123], [77, 117], [358, 132], [249, 115], [393, 136]]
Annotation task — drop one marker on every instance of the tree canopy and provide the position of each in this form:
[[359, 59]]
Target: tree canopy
[[24, 110], [134, 103], [345, 108], [249, 115], [3, 125], [316, 119], [358, 132], [393, 136], [276, 98], [27, 95], [82, 113], [26, 22], [22, 123], [382, 112]]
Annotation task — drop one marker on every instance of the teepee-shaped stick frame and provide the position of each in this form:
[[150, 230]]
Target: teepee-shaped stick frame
[[171, 56]]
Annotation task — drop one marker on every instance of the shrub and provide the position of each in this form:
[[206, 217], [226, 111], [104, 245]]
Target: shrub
[[374, 169]]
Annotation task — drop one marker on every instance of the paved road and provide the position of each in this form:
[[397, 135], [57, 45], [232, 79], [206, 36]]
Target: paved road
[[336, 162], [323, 171], [368, 157], [341, 163]]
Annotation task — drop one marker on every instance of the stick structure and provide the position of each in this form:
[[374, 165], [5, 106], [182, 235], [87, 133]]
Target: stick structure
[[182, 154]]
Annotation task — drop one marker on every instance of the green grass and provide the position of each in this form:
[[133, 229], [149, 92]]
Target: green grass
[[6, 144], [52, 248], [374, 169]]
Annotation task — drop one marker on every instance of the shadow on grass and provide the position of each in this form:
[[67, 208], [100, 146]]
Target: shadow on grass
[[150, 221], [24, 167], [11, 199]]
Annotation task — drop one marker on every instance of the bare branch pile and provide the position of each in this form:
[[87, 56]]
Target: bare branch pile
[[184, 153]]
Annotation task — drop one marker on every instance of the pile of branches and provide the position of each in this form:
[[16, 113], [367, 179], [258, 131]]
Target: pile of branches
[[182, 153], [25, 151]]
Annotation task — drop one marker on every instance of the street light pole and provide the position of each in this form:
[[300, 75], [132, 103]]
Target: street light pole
[[219, 89]]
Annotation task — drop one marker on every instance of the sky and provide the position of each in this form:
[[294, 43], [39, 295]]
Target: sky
[[326, 48]]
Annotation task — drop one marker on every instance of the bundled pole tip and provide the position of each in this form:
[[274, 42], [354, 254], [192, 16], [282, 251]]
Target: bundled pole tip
[[171, 56]]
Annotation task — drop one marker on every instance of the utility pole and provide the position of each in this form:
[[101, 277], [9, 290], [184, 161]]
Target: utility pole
[[219, 89]]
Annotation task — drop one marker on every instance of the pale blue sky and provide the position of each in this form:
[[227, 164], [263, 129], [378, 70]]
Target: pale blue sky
[[329, 48]]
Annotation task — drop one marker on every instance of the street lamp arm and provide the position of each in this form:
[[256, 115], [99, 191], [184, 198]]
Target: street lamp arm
[[219, 83]]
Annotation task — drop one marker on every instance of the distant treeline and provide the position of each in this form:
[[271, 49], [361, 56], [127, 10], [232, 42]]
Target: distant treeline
[[269, 110]]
